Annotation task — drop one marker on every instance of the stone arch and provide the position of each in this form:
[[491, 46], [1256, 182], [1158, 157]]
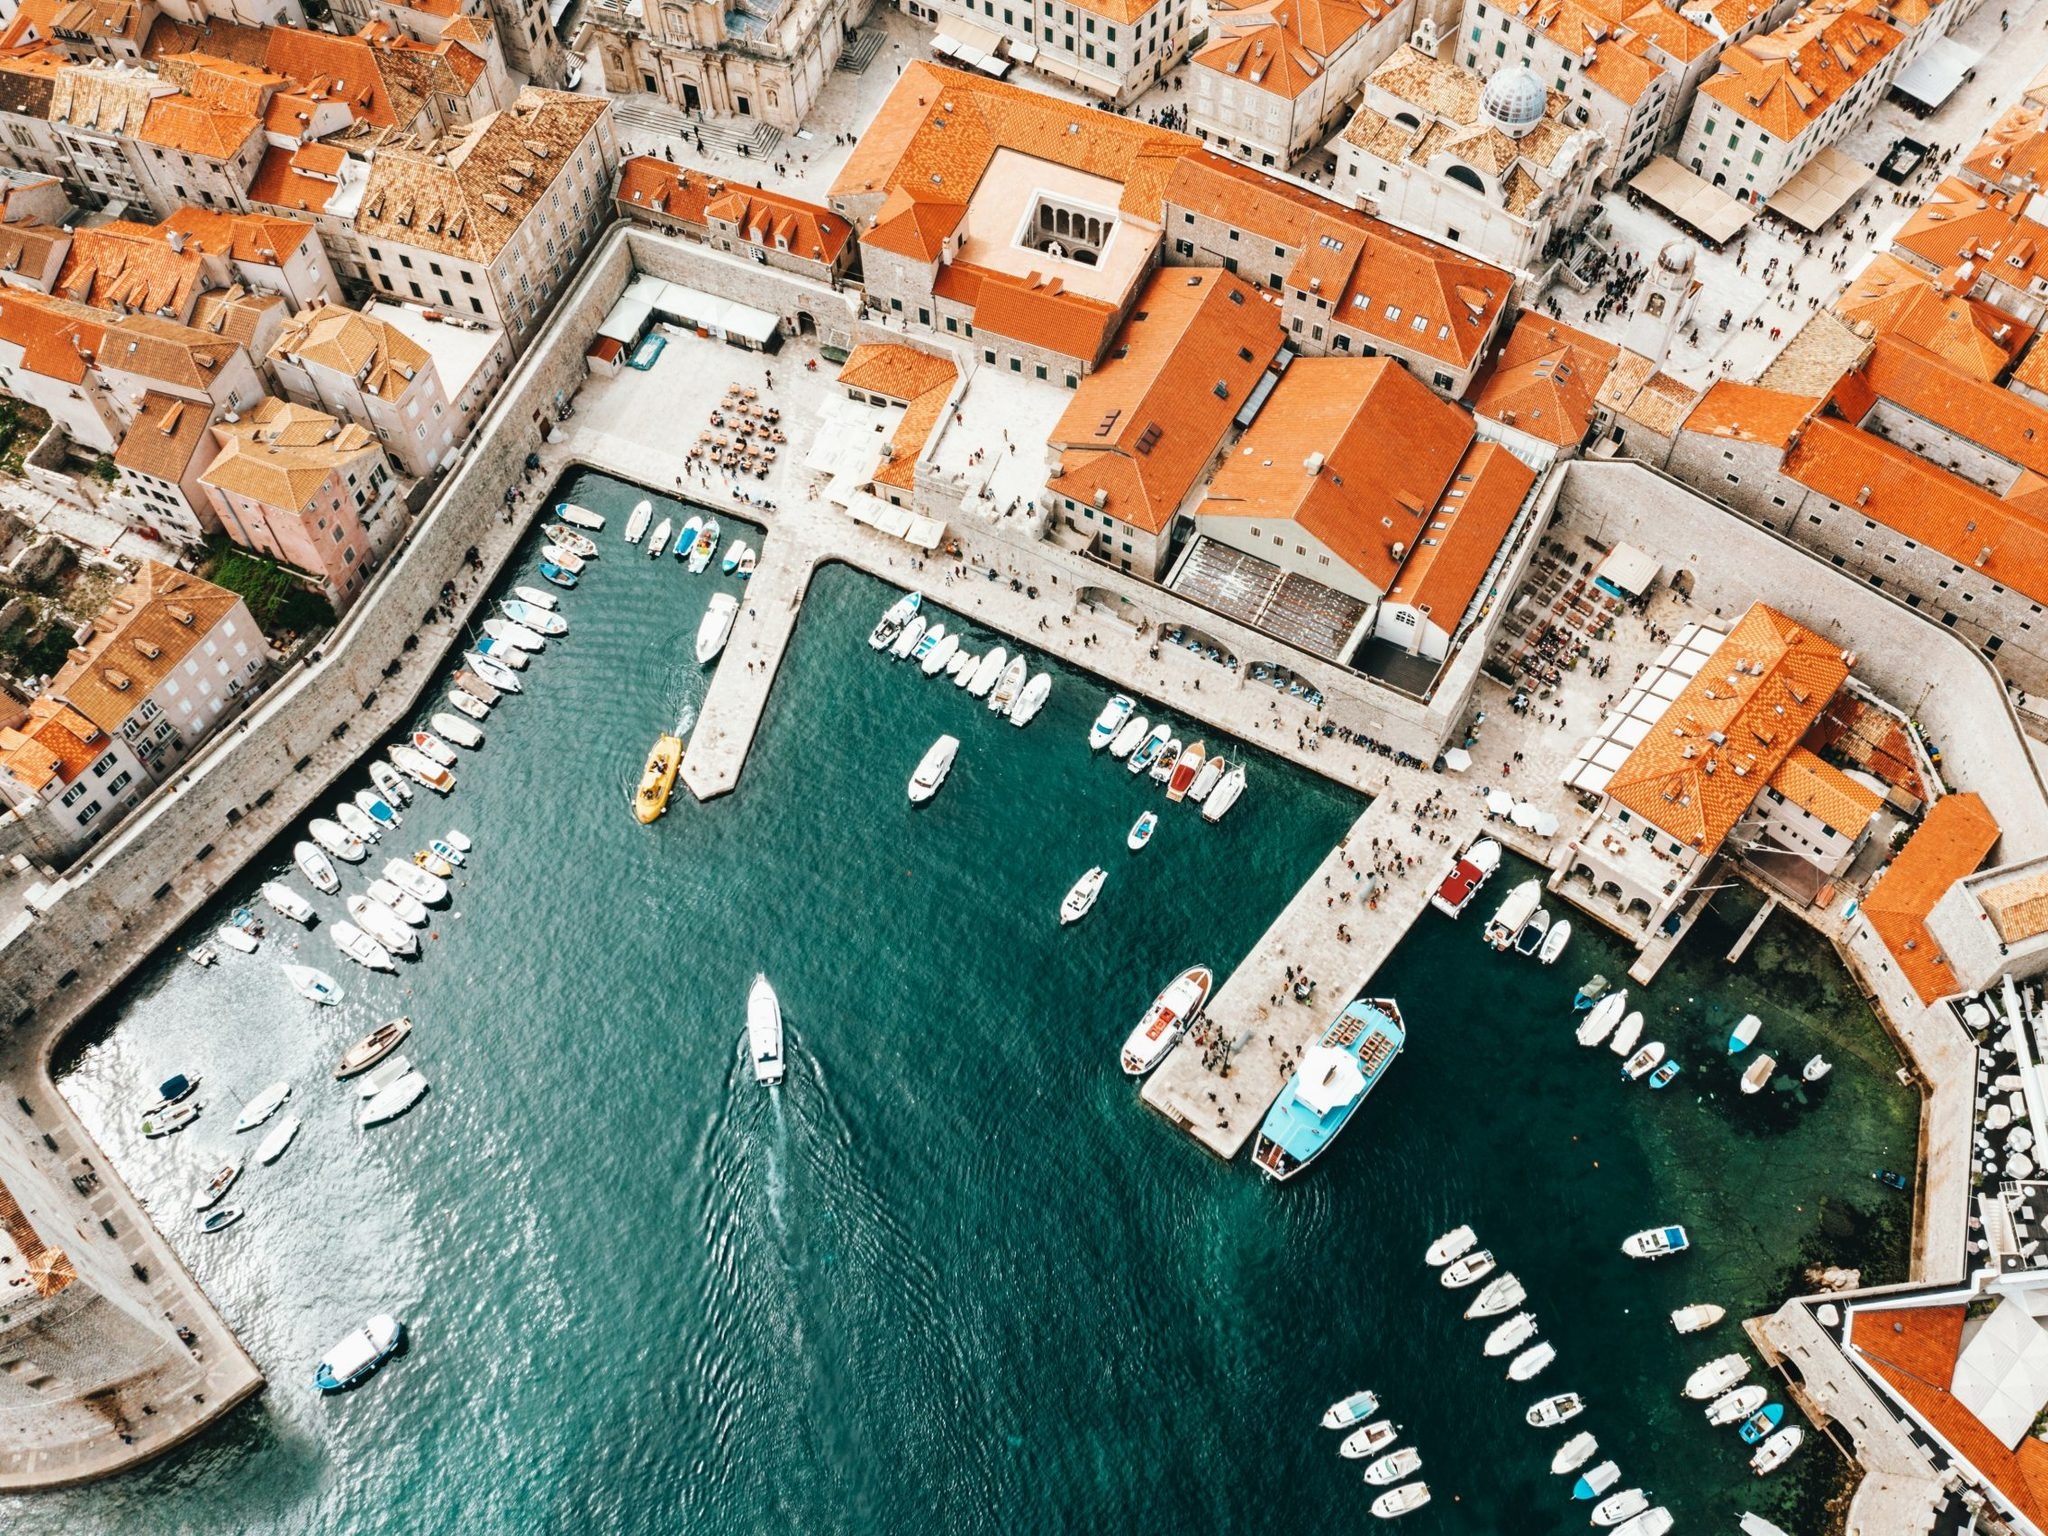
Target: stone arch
[[1465, 176]]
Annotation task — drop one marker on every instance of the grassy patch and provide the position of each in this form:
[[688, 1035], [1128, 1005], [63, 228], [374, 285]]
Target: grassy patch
[[21, 425], [276, 598]]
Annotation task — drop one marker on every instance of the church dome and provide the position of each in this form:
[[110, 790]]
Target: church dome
[[1514, 101]]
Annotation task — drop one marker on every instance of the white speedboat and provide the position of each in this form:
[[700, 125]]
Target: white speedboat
[[1644, 1062], [542, 621], [933, 768], [239, 939], [716, 626], [1631, 1031], [1224, 795], [349, 1361], [1110, 722], [1776, 1451], [764, 1031], [1454, 1244], [1743, 1036], [218, 1183], [428, 743], [359, 821], [1134, 730], [380, 810], [579, 517], [1555, 1410], [1468, 873], [468, 703], [636, 523], [1354, 1409], [1617, 1507], [383, 925], [315, 986], [1753, 1524], [518, 636], [1758, 1077], [273, 1146], [1161, 771], [1149, 749], [337, 840], [1605, 1014], [1008, 685], [1206, 781], [1530, 939], [1512, 1334], [1517, 908], [1733, 1407], [891, 623], [961, 668], [697, 556], [386, 1074], [1656, 1242], [1141, 831], [662, 530], [1394, 1466], [492, 674], [262, 1107], [1369, 1440], [1031, 700], [1469, 1270], [419, 766], [1554, 942], [1651, 1522], [286, 902], [1502, 1294], [538, 597], [390, 1102], [986, 671], [1597, 1481], [406, 908], [416, 882], [1816, 1069], [391, 783], [733, 553], [361, 948], [906, 642], [565, 559], [939, 656], [1574, 1453], [1177, 1006], [1081, 895], [1716, 1377], [1404, 1500], [931, 641], [457, 729], [1531, 1362], [1698, 1317]]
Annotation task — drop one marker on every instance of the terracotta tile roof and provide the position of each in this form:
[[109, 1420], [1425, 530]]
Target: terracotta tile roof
[[1452, 555], [1621, 67], [1949, 844], [224, 85], [305, 178], [163, 350], [55, 744], [1981, 413], [1282, 47], [1545, 380], [164, 437], [1387, 446], [1142, 427], [29, 246], [147, 627], [1964, 234], [345, 68], [236, 313], [1902, 302], [171, 38], [381, 359], [55, 339], [175, 123], [258, 239], [923, 381], [281, 453], [109, 99], [1890, 485], [28, 83], [131, 267], [1669, 32], [1041, 313], [2013, 156], [1785, 80], [1749, 413], [1696, 787], [772, 220], [1814, 784], [1637, 392]]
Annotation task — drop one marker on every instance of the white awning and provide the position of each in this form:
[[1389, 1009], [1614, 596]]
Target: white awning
[[1823, 185], [1328, 1077], [1933, 77], [1690, 200], [2001, 1374], [647, 295], [975, 46], [1627, 571], [897, 522]]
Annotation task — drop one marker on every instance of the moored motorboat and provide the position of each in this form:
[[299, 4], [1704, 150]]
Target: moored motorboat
[[203, 955], [562, 535], [662, 529], [1501, 1294], [1601, 1021], [986, 671], [1597, 1481], [698, 555], [1142, 830], [936, 659], [1530, 938], [1110, 722], [1394, 1466], [1469, 871], [372, 1048], [1743, 1036], [580, 517], [418, 765], [1651, 1522], [764, 1032], [1816, 1069], [177, 1087], [537, 597], [337, 840], [1666, 1071], [908, 641], [1136, 728], [281, 1137], [1470, 1269], [1590, 993], [561, 576], [733, 551], [1617, 1507], [1185, 770], [1512, 1334], [459, 841], [961, 668], [472, 687], [1168, 759], [434, 864], [498, 676], [636, 522], [1631, 1031], [715, 628], [1532, 1362], [1354, 1409], [239, 939], [1515, 910], [1404, 1500], [361, 948], [891, 623], [391, 783], [1149, 749], [932, 769], [427, 743], [1554, 942], [1178, 1005], [1454, 1244], [1776, 1451], [1758, 1077], [377, 808], [1555, 1410], [1324, 1093], [392, 1100], [1369, 1439], [315, 986], [1225, 794], [286, 902], [927, 645], [262, 1107], [168, 1119], [1643, 1062], [359, 821], [1574, 1453], [1735, 1406], [748, 558], [1698, 1317], [542, 621], [1759, 1426], [1081, 895], [1009, 684], [217, 1184], [1716, 1377], [416, 882], [457, 729], [382, 924], [657, 778], [1753, 1524], [1655, 1242], [404, 906], [562, 559], [1031, 700], [220, 1220], [356, 1356]]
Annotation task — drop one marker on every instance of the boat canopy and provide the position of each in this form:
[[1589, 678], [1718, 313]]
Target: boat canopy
[[1328, 1078]]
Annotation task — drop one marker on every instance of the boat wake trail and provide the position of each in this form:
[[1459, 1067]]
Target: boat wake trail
[[686, 721], [778, 1157]]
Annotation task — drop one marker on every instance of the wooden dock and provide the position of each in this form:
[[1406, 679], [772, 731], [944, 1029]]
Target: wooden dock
[[1222, 1112]]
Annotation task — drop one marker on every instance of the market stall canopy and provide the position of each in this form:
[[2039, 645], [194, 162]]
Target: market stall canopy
[[1457, 759], [1690, 200], [1823, 185], [1933, 77]]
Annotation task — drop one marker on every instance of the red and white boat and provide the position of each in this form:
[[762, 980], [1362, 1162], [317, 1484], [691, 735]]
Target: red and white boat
[[1469, 871], [1185, 770], [1167, 1019]]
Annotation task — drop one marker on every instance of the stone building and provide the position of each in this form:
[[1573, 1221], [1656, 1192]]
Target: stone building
[[772, 228], [765, 60], [60, 768], [362, 369], [1276, 76]]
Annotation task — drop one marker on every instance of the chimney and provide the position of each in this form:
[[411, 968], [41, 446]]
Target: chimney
[[1313, 464]]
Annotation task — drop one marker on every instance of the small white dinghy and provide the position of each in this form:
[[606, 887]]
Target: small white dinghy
[[286, 902], [1644, 1062], [1574, 1453], [538, 597], [1454, 1244], [1141, 831], [932, 769], [262, 1107], [637, 521], [273, 1146], [1597, 1481], [315, 986], [1651, 1522], [1031, 700], [469, 704], [764, 1032], [1512, 1334], [715, 628], [1554, 941], [1698, 1317], [1531, 1362], [1394, 1466], [1604, 1016], [1404, 1500], [1631, 1031], [1743, 1036], [659, 542], [392, 1100], [961, 668], [1081, 896], [457, 730], [516, 635], [1816, 1069]]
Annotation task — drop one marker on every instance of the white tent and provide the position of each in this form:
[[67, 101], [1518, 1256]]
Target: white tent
[[1457, 759], [1499, 802], [1523, 814], [1546, 824], [1328, 1077], [2002, 1373], [1933, 77]]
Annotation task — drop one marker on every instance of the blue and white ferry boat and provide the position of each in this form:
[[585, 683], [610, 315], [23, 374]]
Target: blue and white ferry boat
[[1335, 1075]]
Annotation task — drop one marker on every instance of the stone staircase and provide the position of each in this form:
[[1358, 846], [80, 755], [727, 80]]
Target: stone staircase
[[642, 119], [857, 55]]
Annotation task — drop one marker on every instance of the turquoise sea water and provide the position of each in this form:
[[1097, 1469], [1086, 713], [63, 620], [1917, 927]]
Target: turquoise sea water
[[952, 1275]]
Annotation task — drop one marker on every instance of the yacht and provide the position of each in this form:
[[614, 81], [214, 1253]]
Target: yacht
[[361, 948], [1081, 895], [1110, 722], [1335, 1076], [1522, 902], [1177, 1006], [1351, 1410], [286, 902], [891, 623], [636, 523], [1555, 1410], [1404, 1500], [1031, 700], [716, 626], [262, 1107], [392, 1100], [764, 1031], [356, 1356], [1128, 735], [1224, 795], [1469, 871], [315, 986], [933, 768]]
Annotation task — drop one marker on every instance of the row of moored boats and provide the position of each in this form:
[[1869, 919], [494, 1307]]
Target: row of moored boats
[[1005, 681], [1187, 773]]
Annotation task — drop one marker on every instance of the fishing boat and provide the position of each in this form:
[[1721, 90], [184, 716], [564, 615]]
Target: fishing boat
[[659, 541], [262, 1107], [1643, 1062], [1590, 993], [418, 765], [1512, 1334], [986, 671], [1530, 939], [961, 668], [1600, 1022], [372, 1048], [1335, 1076], [1531, 1362], [906, 642], [203, 955], [1752, 1524], [935, 659], [928, 644], [1394, 1466], [537, 597], [1404, 1500], [1890, 1179], [1816, 1069], [315, 986], [393, 1100], [1597, 1481], [337, 840], [1661, 1078], [932, 769], [358, 821], [562, 559], [239, 939], [1369, 1439], [391, 783], [1468, 1270], [382, 924], [1454, 1244], [1574, 1454], [541, 621], [1184, 771], [764, 1031], [457, 729], [168, 1119], [459, 841], [747, 562], [1743, 1036], [1514, 911], [1737, 1405], [218, 1183], [1758, 1077], [568, 538], [1224, 795], [1167, 760], [220, 1220], [1154, 743], [1716, 1377], [715, 628], [1651, 1522], [657, 778], [361, 948], [281, 1136], [286, 902], [416, 882], [637, 521], [465, 685], [1469, 871], [354, 1357], [1008, 685], [500, 678], [560, 575], [1776, 1451], [1080, 897], [733, 551], [580, 517], [1631, 1031], [699, 554], [434, 747], [1351, 1410], [1554, 942], [891, 623], [1617, 1507], [1142, 830], [377, 808], [1757, 1428], [1655, 1242], [1501, 1294], [1698, 1317], [433, 864], [1031, 700], [1555, 1410], [1177, 1006], [500, 653]]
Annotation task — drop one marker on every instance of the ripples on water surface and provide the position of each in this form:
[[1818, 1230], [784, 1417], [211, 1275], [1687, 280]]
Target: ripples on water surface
[[951, 1275]]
